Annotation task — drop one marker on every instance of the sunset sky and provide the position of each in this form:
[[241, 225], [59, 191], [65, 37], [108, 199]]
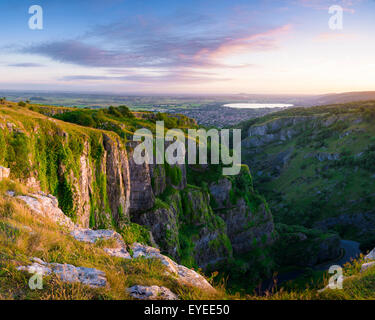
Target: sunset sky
[[205, 46]]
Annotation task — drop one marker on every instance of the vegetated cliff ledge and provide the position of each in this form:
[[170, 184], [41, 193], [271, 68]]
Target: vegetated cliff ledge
[[194, 214]]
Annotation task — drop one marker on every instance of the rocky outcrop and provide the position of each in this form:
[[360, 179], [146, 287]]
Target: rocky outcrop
[[91, 236], [46, 206], [151, 293], [67, 273], [184, 275]]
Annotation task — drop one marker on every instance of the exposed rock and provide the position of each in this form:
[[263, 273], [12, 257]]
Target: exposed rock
[[89, 235], [163, 223], [4, 173], [152, 293], [47, 206], [220, 191], [210, 243], [68, 273], [140, 250], [118, 252], [277, 130], [185, 276], [118, 178], [141, 197], [367, 266], [83, 184], [159, 178], [244, 226]]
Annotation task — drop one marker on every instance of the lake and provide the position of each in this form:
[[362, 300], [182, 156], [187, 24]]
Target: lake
[[257, 105]]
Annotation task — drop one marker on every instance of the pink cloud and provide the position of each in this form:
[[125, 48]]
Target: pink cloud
[[260, 41]]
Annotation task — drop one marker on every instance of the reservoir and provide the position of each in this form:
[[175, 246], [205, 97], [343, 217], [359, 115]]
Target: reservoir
[[257, 105]]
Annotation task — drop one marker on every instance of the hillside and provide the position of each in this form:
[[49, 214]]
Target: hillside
[[315, 166]]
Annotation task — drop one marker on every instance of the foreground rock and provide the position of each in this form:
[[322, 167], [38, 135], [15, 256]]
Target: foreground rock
[[68, 273], [91, 236], [152, 293], [46, 206], [184, 275]]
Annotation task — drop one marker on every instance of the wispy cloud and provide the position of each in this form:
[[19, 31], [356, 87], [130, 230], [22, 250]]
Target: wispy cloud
[[26, 65], [180, 48]]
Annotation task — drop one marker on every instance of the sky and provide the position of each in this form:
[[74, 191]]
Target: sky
[[195, 46]]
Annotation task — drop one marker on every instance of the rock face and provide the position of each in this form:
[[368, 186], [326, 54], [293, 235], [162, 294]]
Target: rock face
[[220, 191], [151, 293], [246, 228], [68, 273], [258, 231], [364, 222], [163, 223], [118, 178], [141, 197], [210, 236], [4, 173], [281, 129]]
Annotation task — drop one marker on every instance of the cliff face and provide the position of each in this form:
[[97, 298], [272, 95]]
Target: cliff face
[[98, 185]]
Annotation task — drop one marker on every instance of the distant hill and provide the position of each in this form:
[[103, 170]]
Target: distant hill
[[343, 97]]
